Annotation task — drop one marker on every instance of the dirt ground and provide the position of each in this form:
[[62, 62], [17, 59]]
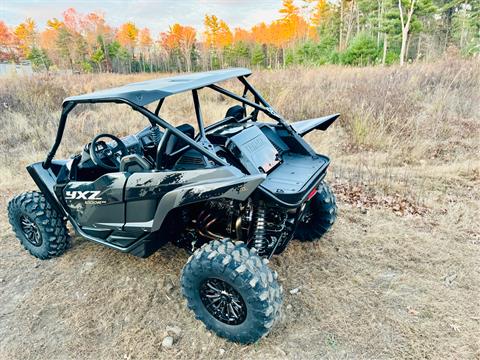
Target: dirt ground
[[397, 277], [378, 285]]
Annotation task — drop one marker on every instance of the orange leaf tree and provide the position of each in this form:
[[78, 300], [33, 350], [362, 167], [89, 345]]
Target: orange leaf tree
[[144, 38], [8, 48], [321, 13], [95, 30], [127, 35], [217, 33], [25, 33], [180, 38]]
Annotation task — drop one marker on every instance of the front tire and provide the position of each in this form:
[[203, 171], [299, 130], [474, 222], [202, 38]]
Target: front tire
[[39, 227], [232, 291], [319, 216]]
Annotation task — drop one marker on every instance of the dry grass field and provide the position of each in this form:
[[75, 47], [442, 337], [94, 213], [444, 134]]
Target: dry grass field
[[397, 277]]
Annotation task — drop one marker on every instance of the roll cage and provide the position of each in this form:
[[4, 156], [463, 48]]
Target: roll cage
[[259, 104]]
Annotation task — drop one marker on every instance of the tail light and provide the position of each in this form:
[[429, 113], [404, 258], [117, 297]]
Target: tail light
[[312, 194]]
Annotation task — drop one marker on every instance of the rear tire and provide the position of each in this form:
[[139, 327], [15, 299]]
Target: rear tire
[[39, 227], [320, 215], [248, 300]]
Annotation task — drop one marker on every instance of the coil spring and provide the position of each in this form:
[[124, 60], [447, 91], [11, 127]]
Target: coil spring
[[156, 134], [259, 239]]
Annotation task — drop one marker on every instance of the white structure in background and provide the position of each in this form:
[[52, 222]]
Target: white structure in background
[[24, 68]]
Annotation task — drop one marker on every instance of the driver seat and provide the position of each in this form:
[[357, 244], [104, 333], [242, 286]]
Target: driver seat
[[171, 143]]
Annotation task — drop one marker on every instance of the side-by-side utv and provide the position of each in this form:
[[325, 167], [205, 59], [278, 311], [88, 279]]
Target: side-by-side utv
[[233, 193]]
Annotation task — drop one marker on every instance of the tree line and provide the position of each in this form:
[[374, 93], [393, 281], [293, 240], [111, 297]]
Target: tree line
[[311, 32]]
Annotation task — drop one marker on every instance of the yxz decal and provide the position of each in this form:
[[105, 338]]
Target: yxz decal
[[91, 197]]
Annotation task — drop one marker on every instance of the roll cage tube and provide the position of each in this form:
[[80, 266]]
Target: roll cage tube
[[145, 112], [198, 113], [61, 128], [202, 147], [159, 106]]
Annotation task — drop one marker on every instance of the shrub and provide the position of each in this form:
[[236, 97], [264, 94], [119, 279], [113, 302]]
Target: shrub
[[39, 59], [311, 53], [362, 50], [258, 56]]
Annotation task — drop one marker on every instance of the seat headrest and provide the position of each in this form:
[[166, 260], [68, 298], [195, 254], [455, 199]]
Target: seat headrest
[[187, 129]]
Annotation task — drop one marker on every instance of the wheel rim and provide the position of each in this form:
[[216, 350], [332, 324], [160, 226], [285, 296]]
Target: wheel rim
[[223, 302], [30, 231]]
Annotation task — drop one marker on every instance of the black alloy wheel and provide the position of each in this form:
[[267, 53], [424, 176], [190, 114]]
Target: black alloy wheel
[[232, 290], [223, 301], [39, 227], [30, 231]]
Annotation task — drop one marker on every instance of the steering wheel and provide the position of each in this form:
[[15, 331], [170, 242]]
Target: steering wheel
[[100, 152]]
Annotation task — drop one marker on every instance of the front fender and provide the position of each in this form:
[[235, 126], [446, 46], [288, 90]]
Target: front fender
[[238, 188]]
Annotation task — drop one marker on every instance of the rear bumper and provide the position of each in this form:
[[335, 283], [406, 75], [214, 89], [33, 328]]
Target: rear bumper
[[290, 183]]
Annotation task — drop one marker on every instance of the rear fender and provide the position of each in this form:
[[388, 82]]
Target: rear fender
[[305, 126], [237, 188]]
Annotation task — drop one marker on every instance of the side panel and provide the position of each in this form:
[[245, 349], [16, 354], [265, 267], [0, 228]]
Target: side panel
[[237, 188], [99, 203], [147, 192], [144, 189]]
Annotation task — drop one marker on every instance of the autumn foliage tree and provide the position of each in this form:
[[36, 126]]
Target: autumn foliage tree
[[180, 40], [25, 34], [217, 32], [127, 35], [8, 49], [321, 13], [310, 32]]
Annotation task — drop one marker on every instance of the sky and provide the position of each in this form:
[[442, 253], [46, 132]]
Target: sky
[[154, 14]]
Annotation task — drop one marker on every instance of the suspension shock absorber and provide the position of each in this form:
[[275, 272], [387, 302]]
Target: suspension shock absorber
[[259, 237], [156, 135]]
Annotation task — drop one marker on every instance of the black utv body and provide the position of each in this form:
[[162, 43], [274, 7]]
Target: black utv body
[[233, 194]]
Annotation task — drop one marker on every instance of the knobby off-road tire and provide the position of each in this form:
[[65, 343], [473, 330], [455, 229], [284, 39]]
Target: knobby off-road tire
[[39, 227], [320, 215], [240, 273]]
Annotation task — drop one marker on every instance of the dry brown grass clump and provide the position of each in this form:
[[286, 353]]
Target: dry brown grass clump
[[398, 277]]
